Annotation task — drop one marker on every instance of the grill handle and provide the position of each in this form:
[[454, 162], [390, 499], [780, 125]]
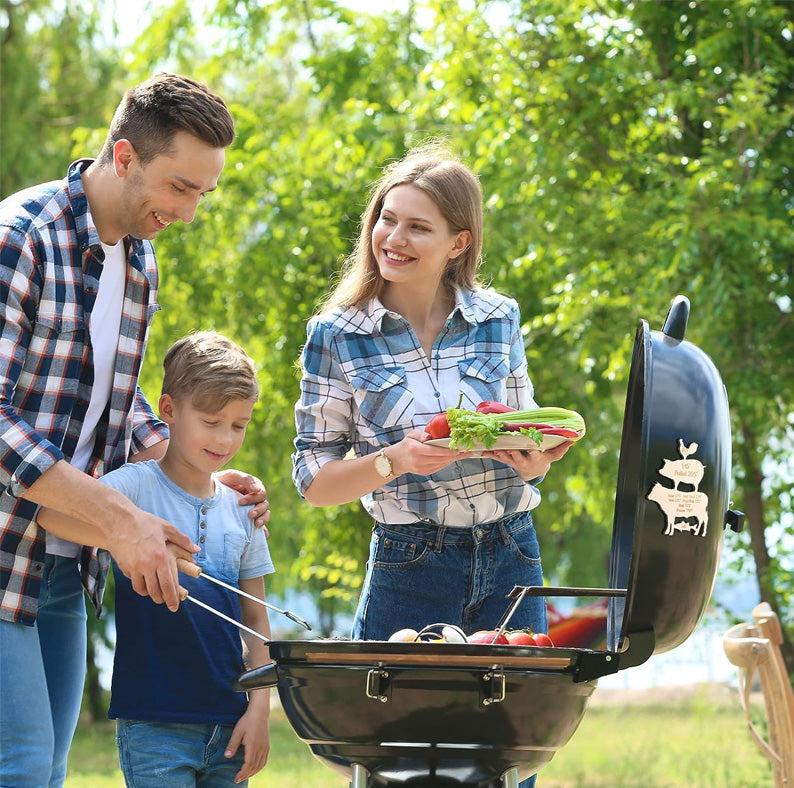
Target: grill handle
[[519, 592], [677, 317], [263, 676]]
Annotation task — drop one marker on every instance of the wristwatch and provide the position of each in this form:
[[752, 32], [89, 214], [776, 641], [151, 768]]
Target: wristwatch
[[383, 464]]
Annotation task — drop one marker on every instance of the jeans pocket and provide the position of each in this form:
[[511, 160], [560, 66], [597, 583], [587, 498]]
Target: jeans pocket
[[394, 551], [524, 544]]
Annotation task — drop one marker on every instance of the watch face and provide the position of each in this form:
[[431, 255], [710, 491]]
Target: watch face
[[383, 465]]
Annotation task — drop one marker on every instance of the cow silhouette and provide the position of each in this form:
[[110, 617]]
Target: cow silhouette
[[681, 508]]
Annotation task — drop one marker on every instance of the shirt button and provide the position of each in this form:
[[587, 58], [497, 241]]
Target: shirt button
[[202, 538], [436, 394], [203, 509], [202, 524]]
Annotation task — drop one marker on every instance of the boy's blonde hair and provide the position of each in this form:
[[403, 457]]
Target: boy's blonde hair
[[209, 370]]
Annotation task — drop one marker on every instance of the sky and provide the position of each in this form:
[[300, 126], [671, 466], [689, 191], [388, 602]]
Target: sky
[[129, 14]]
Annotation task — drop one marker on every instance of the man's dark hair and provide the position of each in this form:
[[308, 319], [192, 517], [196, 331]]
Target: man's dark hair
[[150, 114]]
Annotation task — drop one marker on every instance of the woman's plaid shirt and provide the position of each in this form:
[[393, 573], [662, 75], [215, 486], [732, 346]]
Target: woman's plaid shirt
[[50, 263], [367, 382]]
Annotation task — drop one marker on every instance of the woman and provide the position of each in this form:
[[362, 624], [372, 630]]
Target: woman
[[407, 331]]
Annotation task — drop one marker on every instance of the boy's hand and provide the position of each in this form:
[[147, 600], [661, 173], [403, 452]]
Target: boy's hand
[[253, 492], [253, 734]]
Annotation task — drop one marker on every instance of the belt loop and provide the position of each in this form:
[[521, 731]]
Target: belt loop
[[439, 539], [506, 535]]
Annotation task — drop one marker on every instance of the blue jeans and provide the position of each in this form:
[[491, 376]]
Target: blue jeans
[[421, 574], [176, 755], [42, 670]]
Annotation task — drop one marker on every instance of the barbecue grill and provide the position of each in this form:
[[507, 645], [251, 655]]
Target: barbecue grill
[[425, 714]]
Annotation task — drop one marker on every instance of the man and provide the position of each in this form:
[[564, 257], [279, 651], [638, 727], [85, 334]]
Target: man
[[78, 290]]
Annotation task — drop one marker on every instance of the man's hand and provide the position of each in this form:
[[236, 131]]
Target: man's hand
[[253, 492], [148, 559], [82, 509]]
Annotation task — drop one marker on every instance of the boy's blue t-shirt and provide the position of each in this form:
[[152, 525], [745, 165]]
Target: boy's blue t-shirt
[[179, 667]]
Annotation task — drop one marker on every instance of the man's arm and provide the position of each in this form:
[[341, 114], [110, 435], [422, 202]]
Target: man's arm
[[156, 452], [82, 509]]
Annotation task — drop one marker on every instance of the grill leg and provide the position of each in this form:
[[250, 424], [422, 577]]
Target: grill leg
[[510, 778], [358, 779]]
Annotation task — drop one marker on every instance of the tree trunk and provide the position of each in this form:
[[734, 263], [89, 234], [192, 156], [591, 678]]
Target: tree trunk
[[753, 505], [93, 701]]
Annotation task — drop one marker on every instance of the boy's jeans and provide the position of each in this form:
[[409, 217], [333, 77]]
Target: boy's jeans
[[42, 670], [176, 755]]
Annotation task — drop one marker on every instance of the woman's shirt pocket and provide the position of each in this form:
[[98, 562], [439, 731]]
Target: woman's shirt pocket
[[485, 379], [384, 403]]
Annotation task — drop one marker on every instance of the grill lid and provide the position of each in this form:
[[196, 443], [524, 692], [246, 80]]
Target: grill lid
[[672, 494]]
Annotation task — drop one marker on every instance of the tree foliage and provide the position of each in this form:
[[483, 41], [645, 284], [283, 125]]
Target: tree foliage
[[628, 152]]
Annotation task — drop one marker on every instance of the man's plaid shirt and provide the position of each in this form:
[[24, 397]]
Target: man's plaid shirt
[[367, 382], [50, 263]]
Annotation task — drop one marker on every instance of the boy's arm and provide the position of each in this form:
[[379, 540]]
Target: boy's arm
[[252, 729], [255, 617]]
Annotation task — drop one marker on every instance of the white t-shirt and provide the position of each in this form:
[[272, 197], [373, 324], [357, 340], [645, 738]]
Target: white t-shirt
[[104, 331]]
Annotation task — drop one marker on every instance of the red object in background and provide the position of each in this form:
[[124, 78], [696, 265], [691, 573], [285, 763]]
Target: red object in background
[[583, 627]]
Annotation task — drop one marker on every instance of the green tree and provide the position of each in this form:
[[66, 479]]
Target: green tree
[[628, 151], [56, 73]]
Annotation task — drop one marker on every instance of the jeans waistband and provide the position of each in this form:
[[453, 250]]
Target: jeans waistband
[[437, 536]]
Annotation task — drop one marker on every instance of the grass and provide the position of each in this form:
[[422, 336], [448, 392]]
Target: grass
[[659, 739]]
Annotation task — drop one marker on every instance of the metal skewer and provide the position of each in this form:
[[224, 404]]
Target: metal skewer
[[195, 571], [509, 614], [221, 615]]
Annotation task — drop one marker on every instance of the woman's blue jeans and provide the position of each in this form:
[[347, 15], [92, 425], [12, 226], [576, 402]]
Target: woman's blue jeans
[[420, 574], [42, 671]]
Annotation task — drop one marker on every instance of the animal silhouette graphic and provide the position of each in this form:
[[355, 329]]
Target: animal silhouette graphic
[[685, 508]]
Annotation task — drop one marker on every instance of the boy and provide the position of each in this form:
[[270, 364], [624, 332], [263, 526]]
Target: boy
[[178, 721]]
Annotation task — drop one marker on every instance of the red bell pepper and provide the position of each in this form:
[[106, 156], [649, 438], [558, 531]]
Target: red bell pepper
[[494, 407], [563, 432]]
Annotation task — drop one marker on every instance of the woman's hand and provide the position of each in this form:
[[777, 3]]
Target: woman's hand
[[413, 455], [529, 464]]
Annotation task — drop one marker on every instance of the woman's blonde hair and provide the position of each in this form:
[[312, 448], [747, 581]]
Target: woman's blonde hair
[[452, 186], [209, 370]]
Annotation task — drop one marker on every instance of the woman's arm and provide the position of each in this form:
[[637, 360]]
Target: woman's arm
[[343, 481]]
